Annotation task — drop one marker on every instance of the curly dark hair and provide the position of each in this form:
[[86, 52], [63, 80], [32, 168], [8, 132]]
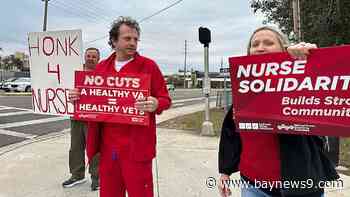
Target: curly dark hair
[[114, 32]]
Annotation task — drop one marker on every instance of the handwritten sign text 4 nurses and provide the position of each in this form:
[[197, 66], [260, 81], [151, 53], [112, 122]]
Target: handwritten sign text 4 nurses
[[54, 56]]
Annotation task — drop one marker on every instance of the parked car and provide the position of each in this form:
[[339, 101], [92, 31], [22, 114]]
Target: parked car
[[4, 83], [21, 84], [170, 87]]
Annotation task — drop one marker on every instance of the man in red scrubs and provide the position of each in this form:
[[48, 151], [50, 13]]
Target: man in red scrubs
[[126, 151]]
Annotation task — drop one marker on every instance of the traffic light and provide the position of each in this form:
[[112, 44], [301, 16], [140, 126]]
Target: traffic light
[[204, 36]]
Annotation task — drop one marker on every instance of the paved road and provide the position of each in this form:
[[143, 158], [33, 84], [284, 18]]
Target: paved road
[[18, 123]]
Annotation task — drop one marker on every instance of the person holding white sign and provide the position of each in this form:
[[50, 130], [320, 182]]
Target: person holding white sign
[[272, 163], [127, 150], [78, 139]]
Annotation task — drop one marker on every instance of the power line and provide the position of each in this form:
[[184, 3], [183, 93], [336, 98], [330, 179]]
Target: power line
[[143, 19], [84, 9], [97, 9], [89, 9], [160, 11], [73, 13], [73, 10]]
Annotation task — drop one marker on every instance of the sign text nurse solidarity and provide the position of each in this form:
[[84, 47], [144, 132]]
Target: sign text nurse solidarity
[[111, 98], [276, 93]]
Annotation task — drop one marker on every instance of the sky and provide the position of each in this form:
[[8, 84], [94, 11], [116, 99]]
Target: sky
[[162, 36]]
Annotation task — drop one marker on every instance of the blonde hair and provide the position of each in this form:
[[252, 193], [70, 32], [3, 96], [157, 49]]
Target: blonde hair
[[282, 39]]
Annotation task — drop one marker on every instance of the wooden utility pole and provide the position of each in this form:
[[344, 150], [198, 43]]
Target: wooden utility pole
[[45, 14], [296, 19]]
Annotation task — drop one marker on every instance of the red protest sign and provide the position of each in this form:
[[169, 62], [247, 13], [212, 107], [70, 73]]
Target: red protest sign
[[111, 98], [275, 93]]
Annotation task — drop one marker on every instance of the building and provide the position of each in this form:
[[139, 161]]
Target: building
[[194, 79], [217, 80]]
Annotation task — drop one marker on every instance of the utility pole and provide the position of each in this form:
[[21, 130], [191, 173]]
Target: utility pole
[[296, 19], [185, 64], [1, 71], [221, 66], [45, 14]]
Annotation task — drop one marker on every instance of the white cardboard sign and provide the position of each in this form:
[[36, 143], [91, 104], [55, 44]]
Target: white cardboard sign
[[53, 57]]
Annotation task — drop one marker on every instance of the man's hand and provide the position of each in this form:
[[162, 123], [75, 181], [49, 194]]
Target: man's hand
[[223, 188], [148, 105], [73, 95], [301, 51]]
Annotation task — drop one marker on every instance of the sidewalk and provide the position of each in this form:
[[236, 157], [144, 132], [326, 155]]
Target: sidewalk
[[184, 163]]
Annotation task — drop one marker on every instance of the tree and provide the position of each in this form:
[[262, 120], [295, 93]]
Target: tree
[[18, 63], [6, 63], [10, 62], [324, 22]]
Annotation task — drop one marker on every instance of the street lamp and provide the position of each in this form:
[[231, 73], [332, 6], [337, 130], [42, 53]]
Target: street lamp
[[205, 39]]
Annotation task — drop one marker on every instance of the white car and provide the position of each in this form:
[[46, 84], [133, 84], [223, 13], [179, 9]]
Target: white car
[[4, 83], [21, 84]]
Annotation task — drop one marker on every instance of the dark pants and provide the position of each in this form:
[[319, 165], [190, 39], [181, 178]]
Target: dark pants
[[77, 152]]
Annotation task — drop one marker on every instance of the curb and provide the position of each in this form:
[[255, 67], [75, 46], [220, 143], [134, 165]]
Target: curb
[[16, 94], [15, 146]]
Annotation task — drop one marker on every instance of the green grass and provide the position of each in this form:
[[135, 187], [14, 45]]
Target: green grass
[[193, 122]]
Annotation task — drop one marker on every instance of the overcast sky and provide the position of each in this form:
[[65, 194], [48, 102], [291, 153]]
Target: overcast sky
[[162, 36]]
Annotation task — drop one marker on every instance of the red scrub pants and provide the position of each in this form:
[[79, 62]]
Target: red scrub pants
[[118, 174]]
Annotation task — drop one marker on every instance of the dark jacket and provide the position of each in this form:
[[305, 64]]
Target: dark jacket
[[302, 157]]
